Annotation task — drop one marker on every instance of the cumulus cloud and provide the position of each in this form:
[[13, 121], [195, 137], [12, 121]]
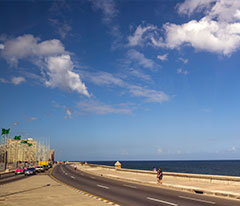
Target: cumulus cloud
[[218, 31], [18, 80], [139, 58], [163, 57], [61, 75], [209, 35], [27, 46], [92, 106], [50, 56]]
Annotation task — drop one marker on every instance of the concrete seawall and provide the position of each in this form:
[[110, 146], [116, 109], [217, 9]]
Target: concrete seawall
[[218, 179]]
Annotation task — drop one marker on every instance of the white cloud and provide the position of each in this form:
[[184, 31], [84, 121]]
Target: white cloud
[[140, 35], [209, 35], [218, 31], [27, 46], [163, 57], [181, 71], [92, 106], [189, 6], [107, 7], [139, 74], [62, 28], [139, 58], [183, 60], [68, 113], [50, 56], [149, 94], [61, 75], [18, 80], [1, 46], [104, 78]]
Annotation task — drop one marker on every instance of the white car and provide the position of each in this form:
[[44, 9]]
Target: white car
[[40, 168]]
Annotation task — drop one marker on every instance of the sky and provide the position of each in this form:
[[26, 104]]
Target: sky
[[123, 80]]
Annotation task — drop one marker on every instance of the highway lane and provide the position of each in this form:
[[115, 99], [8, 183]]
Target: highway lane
[[11, 178], [125, 193]]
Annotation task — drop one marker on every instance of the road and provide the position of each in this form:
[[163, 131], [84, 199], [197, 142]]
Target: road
[[130, 194]]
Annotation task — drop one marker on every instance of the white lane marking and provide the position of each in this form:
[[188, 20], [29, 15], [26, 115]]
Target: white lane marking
[[131, 186], [73, 177], [102, 186], [205, 201], [165, 202], [93, 177]]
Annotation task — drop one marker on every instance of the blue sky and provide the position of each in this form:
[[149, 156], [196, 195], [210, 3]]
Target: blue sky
[[123, 80]]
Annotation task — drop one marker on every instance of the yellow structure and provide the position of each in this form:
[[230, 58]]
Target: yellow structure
[[42, 162], [118, 165]]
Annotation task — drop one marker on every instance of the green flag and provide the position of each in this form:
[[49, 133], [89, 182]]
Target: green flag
[[5, 131], [29, 144], [24, 141], [17, 137]]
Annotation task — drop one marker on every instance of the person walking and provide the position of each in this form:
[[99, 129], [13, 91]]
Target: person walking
[[159, 176]]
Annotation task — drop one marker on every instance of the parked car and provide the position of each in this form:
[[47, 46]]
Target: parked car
[[19, 171], [30, 171], [40, 168]]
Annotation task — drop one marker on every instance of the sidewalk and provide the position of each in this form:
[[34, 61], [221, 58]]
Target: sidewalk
[[42, 190], [229, 191]]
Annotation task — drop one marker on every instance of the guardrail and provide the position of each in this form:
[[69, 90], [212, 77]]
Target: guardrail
[[218, 179]]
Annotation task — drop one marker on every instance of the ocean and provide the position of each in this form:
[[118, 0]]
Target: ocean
[[212, 167]]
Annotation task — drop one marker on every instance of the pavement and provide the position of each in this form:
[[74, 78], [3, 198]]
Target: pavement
[[42, 190], [220, 190]]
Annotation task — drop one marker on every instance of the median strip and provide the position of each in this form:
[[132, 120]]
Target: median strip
[[102, 186], [162, 201], [198, 200]]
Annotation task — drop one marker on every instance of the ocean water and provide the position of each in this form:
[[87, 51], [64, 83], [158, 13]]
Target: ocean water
[[213, 167]]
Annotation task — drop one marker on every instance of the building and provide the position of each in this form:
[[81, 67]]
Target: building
[[21, 150]]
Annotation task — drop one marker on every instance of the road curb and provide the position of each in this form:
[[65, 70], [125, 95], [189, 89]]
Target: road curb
[[81, 191]]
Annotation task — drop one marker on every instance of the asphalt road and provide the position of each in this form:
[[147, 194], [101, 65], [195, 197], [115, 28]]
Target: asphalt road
[[130, 194], [11, 178]]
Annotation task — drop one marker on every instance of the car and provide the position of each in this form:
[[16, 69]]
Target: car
[[30, 171], [40, 168], [19, 171]]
